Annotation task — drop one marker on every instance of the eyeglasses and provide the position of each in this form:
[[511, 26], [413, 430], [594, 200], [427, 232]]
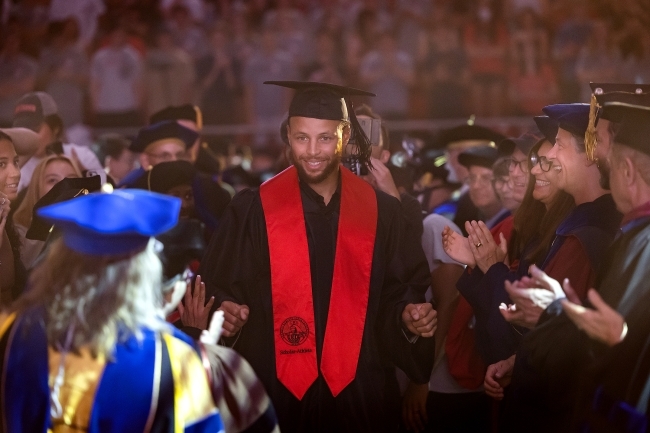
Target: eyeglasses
[[544, 163], [500, 181], [483, 179], [513, 163]]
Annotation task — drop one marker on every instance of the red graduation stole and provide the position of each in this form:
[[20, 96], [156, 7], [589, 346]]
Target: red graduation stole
[[293, 307]]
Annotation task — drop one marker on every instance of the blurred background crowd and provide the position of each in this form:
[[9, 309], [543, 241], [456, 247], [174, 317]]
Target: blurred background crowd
[[112, 63]]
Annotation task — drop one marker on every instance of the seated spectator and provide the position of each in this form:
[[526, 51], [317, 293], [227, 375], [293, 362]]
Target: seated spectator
[[38, 112], [219, 81], [327, 66], [17, 75], [532, 79], [486, 44], [388, 73], [359, 42], [168, 74], [116, 86], [186, 33], [599, 60], [47, 173], [63, 71], [443, 61]]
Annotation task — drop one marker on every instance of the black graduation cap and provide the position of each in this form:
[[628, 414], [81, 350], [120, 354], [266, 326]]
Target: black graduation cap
[[483, 156], [547, 126], [165, 176], [320, 100], [64, 190], [329, 102], [601, 93], [449, 137], [179, 112], [633, 111], [167, 129]]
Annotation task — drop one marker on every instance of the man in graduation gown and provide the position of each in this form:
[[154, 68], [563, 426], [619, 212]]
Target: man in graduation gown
[[315, 295], [616, 392]]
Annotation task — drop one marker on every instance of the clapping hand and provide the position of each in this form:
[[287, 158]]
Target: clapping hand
[[602, 323], [420, 319]]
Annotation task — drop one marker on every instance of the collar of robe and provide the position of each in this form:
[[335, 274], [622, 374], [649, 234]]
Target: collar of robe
[[293, 306]]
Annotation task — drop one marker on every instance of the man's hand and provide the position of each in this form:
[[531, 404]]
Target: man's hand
[[195, 312], [457, 247], [420, 319], [235, 316], [414, 406], [498, 376], [532, 295], [603, 324], [381, 178]]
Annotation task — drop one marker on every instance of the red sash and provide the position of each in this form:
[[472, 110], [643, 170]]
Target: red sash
[[293, 308]]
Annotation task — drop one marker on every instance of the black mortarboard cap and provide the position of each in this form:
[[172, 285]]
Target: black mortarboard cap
[[601, 93], [180, 112], [469, 133], [160, 131], [547, 126], [165, 176], [320, 100], [524, 142], [483, 156], [634, 126], [64, 190]]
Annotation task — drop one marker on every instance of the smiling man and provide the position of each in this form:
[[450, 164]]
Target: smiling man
[[308, 273]]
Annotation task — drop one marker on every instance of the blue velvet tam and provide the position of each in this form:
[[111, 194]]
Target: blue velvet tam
[[547, 126], [482, 156], [168, 129], [570, 117], [118, 223]]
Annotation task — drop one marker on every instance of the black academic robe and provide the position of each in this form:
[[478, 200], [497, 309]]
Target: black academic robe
[[552, 356], [236, 268], [614, 383]]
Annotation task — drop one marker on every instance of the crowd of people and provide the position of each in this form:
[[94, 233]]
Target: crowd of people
[[466, 280], [115, 63]]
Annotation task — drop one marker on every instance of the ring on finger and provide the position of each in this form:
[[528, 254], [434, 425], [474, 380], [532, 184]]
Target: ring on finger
[[478, 244]]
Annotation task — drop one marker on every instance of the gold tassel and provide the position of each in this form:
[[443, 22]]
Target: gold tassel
[[590, 135], [199, 118]]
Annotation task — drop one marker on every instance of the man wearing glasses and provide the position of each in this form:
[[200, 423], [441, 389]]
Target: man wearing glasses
[[161, 142], [479, 161]]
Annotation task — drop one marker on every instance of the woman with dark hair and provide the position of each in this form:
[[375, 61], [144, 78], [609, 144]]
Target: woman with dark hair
[[542, 210], [12, 272]]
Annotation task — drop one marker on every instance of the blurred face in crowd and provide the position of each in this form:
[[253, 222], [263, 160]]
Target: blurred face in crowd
[[316, 147], [9, 169], [518, 174], [545, 177], [185, 193], [54, 172], [46, 136], [481, 191], [503, 188], [569, 164], [169, 149], [120, 166]]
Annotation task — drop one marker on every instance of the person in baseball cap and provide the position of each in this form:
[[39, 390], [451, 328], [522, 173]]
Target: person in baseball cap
[[38, 112]]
